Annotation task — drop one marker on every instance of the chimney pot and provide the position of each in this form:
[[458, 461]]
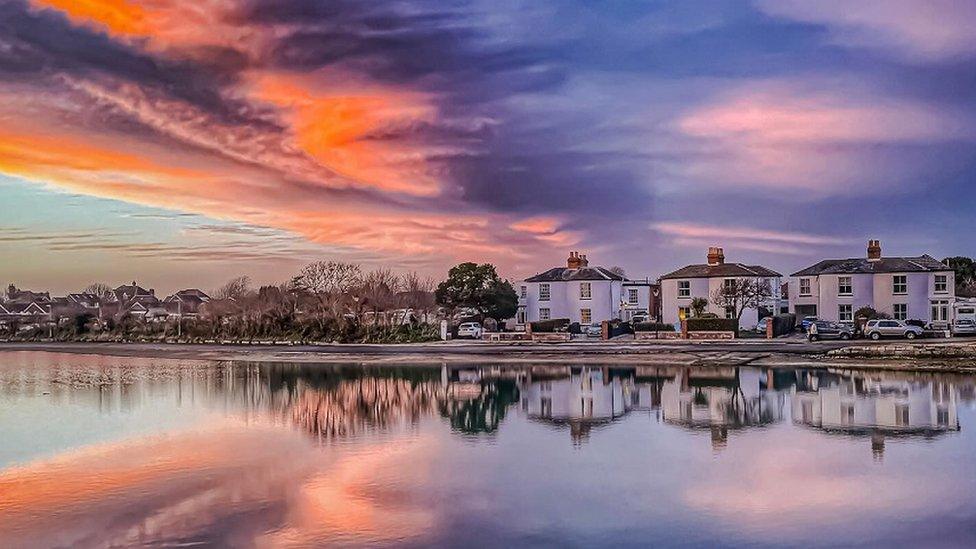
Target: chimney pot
[[874, 250], [574, 260], [716, 256]]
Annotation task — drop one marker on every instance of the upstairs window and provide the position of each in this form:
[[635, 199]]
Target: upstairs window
[[804, 286], [729, 285], [844, 286], [585, 290], [524, 292], [543, 292], [684, 288], [941, 284], [632, 296], [899, 284]]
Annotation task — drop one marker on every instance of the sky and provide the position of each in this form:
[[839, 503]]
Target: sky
[[182, 142]]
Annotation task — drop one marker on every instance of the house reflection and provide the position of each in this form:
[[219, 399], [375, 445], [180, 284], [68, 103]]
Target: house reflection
[[879, 406]]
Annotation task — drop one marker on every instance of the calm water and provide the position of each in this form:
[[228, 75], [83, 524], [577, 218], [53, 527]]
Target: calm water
[[103, 451]]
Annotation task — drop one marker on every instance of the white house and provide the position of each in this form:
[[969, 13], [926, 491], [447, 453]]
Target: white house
[[577, 291], [680, 287], [905, 288]]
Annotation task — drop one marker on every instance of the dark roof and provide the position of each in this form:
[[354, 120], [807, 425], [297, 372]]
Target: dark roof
[[922, 264], [563, 274], [721, 270]]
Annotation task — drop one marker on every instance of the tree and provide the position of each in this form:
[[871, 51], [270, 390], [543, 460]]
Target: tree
[[965, 269], [97, 288], [478, 287], [235, 288], [739, 294], [617, 270], [698, 306]]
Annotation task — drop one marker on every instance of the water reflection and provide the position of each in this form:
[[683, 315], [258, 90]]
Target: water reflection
[[104, 451]]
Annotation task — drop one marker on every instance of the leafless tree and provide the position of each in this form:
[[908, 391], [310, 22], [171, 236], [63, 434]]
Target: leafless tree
[[330, 284], [739, 294], [97, 288], [235, 288], [617, 270]]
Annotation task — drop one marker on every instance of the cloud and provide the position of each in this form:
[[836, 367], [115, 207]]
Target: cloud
[[744, 238], [923, 32]]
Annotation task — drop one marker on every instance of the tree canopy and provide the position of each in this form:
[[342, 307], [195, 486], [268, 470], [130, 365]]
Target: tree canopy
[[478, 287]]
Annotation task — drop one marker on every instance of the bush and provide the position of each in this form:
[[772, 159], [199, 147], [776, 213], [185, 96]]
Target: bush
[[653, 327], [712, 324], [547, 326], [618, 327], [783, 324], [574, 328]]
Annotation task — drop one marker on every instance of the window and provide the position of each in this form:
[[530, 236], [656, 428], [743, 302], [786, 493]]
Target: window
[[730, 312], [632, 296], [941, 284], [901, 311], [544, 313], [901, 415], [520, 316], [847, 414], [845, 313], [585, 316], [804, 286], [684, 288], [585, 290], [844, 286], [543, 292], [899, 284], [524, 292], [729, 284], [684, 312], [940, 310]]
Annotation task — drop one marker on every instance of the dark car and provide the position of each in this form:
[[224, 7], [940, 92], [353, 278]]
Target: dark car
[[821, 329]]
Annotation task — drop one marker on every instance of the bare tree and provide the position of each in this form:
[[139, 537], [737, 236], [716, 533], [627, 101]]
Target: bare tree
[[378, 294], [739, 294], [97, 288], [331, 284], [618, 270], [236, 288]]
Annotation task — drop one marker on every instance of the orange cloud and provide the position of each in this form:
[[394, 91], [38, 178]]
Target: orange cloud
[[118, 16]]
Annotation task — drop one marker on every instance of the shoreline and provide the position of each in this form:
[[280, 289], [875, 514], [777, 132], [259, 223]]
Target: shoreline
[[777, 354]]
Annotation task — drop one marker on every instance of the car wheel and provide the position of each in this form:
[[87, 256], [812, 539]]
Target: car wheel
[[813, 337], [845, 337], [875, 336], [910, 335]]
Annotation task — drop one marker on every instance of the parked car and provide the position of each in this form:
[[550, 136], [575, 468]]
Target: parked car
[[876, 329], [638, 318], [806, 322], [470, 330], [964, 326], [761, 326], [822, 329], [593, 330]]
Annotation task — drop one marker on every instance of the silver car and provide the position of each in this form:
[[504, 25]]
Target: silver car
[[876, 329], [964, 326]]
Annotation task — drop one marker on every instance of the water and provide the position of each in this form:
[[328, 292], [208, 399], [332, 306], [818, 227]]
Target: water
[[103, 451]]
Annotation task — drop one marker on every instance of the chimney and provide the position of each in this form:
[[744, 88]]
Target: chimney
[[583, 261], [574, 261], [716, 256], [874, 250]]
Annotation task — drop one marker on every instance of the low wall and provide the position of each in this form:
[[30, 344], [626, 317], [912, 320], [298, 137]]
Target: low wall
[[551, 337], [505, 336], [906, 351], [638, 336], [711, 335]]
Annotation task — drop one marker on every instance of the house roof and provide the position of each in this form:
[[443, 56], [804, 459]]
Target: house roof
[[721, 270], [921, 264], [565, 274]]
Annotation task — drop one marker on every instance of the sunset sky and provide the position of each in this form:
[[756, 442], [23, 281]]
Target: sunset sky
[[181, 142]]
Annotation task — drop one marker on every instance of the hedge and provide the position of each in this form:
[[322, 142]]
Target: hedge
[[547, 326], [783, 324], [712, 324], [653, 327]]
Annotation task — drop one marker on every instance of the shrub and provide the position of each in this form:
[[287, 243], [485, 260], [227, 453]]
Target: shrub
[[712, 324], [653, 327], [574, 328], [783, 324], [554, 325], [707, 315]]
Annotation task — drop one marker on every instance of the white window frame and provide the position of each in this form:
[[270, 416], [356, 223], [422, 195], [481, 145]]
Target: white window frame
[[729, 312], [524, 292], [849, 285], [520, 316], [684, 289], [944, 283], [586, 316], [633, 296], [545, 292], [808, 291], [901, 314], [895, 284], [845, 312], [585, 290], [545, 313], [940, 310]]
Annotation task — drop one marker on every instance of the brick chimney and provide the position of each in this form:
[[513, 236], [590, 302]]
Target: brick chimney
[[874, 250], [716, 256], [583, 261], [574, 261]]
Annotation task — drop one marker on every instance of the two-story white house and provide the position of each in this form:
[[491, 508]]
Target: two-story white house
[[920, 288], [581, 293], [680, 287]]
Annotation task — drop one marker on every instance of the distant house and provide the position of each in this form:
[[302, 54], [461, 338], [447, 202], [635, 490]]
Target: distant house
[[186, 303], [132, 300], [15, 295], [918, 287], [680, 287], [581, 293]]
